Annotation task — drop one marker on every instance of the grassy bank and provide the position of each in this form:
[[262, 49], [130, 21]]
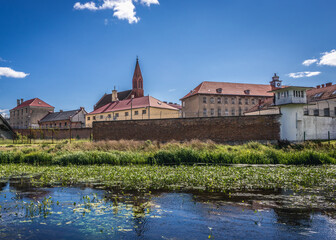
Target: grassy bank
[[122, 153]]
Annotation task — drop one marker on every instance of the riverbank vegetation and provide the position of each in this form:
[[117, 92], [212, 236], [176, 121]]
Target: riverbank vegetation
[[123, 153]]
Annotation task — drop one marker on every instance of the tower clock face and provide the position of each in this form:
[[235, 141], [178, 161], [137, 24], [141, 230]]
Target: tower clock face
[[278, 84]]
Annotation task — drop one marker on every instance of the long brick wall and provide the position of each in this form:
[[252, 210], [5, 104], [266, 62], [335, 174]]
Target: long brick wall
[[218, 129], [81, 133]]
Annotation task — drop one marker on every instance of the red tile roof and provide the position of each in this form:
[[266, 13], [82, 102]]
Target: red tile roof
[[228, 88], [141, 102], [35, 102]]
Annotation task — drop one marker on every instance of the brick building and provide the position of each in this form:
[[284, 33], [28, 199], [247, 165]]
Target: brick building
[[212, 99], [28, 113], [64, 119]]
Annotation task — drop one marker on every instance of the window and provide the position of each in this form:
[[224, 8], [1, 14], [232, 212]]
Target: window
[[306, 112], [226, 112], [183, 104], [212, 112], [219, 90], [65, 124], [240, 111], [94, 117], [60, 125], [233, 101], [126, 114], [136, 113], [144, 111], [316, 112], [101, 116], [246, 101], [212, 100], [302, 94], [219, 100], [26, 110], [226, 101], [318, 95], [205, 112], [204, 100], [240, 101], [219, 112], [334, 92], [326, 112], [253, 101], [233, 112], [109, 116], [88, 118], [117, 115]]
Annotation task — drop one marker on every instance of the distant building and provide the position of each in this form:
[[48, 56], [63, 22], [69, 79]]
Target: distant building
[[6, 131], [137, 90], [320, 101], [133, 109], [64, 119], [28, 113], [213, 99]]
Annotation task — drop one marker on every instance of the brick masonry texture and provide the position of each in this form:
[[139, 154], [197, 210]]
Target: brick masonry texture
[[218, 129], [81, 133]]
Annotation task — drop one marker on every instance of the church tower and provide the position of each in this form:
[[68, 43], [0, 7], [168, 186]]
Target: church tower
[[137, 90]]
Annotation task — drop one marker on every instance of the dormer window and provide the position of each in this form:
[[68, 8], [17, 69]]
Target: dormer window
[[318, 95], [247, 92], [219, 90], [334, 92]]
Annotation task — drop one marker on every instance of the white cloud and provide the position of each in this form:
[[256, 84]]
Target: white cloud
[[3, 60], [8, 72], [149, 2], [309, 62], [172, 90], [4, 112], [303, 74], [123, 9], [328, 58]]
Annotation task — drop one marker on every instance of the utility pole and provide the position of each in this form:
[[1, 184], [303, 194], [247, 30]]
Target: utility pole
[[132, 107]]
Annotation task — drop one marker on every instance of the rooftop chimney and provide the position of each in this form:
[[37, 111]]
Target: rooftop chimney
[[21, 100], [322, 85], [18, 102], [318, 86], [61, 110], [114, 95], [329, 84]]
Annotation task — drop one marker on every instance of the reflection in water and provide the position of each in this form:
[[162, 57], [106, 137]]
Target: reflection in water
[[85, 213]]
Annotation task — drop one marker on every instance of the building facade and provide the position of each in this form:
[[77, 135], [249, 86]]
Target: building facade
[[133, 109], [64, 119], [27, 114], [213, 99]]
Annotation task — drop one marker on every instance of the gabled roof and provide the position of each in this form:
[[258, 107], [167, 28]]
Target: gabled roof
[[127, 104], [35, 102], [59, 116], [227, 88], [107, 98]]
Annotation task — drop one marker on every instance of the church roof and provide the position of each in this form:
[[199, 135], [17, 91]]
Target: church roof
[[35, 102], [107, 98]]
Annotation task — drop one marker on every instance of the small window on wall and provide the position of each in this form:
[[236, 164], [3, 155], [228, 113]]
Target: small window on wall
[[219, 112], [144, 111], [126, 114], [327, 112], [60, 125], [117, 115], [316, 112], [240, 101], [136, 113], [204, 100], [233, 112], [226, 100], [65, 124], [88, 118], [109, 116], [306, 112], [226, 112], [233, 100], [212, 100], [205, 112], [240, 111], [253, 101], [219, 100], [246, 101], [212, 112], [101, 116], [94, 117]]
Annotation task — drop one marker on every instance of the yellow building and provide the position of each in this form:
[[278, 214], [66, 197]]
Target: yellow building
[[140, 108]]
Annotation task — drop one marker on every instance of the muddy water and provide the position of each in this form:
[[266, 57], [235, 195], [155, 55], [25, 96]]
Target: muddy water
[[86, 213]]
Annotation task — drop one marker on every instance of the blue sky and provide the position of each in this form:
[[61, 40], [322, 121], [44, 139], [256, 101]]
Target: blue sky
[[70, 52]]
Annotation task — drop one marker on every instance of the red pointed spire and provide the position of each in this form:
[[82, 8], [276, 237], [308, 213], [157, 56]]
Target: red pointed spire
[[138, 90]]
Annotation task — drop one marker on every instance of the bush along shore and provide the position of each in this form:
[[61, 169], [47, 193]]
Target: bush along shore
[[122, 153]]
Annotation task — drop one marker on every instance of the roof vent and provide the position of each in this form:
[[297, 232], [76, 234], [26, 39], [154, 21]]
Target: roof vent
[[247, 92], [219, 90], [329, 84]]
